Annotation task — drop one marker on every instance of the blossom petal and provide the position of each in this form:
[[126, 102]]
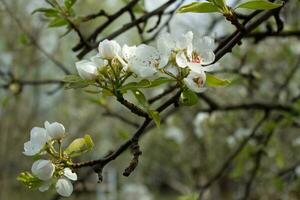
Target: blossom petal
[[185, 41], [207, 57], [181, 59], [145, 61], [69, 174], [64, 187], [38, 138]]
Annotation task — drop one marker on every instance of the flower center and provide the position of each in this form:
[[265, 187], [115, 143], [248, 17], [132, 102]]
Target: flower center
[[196, 58], [199, 81]]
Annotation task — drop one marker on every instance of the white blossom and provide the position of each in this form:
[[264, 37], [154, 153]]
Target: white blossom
[[195, 81], [141, 60], [38, 138], [43, 169], [167, 44], [109, 49], [55, 130], [64, 187]]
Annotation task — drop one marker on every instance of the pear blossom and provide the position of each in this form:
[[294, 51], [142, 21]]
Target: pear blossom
[[38, 138], [64, 186], [55, 130], [109, 49], [195, 81], [201, 54], [167, 44], [43, 169], [142, 60]]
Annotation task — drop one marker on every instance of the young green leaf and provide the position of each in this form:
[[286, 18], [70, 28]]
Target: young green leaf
[[214, 81], [141, 98], [259, 5], [80, 146], [29, 180], [69, 3], [199, 7], [46, 11], [155, 116], [57, 22], [188, 98]]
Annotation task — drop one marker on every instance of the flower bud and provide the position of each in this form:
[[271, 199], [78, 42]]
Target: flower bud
[[43, 169], [64, 187], [86, 69], [55, 130], [108, 49]]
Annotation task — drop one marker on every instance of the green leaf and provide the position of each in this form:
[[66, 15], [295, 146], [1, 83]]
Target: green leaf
[[80, 146], [214, 81], [259, 5], [155, 116], [141, 98], [29, 180], [69, 3], [188, 98], [199, 7], [49, 12], [145, 84], [57, 22]]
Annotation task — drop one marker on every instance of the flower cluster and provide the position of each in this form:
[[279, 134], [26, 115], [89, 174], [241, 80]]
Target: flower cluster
[[55, 170], [181, 59]]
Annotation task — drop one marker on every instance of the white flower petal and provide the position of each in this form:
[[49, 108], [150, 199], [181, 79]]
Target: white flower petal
[[87, 69], [145, 61], [165, 45], [210, 68], [207, 57], [38, 138], [181, 59], [185, 41], [69, 174], [205, 42], [128, 52], [196, 67], [55, 130], [43, 169], [64, 187], [108, 49]]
